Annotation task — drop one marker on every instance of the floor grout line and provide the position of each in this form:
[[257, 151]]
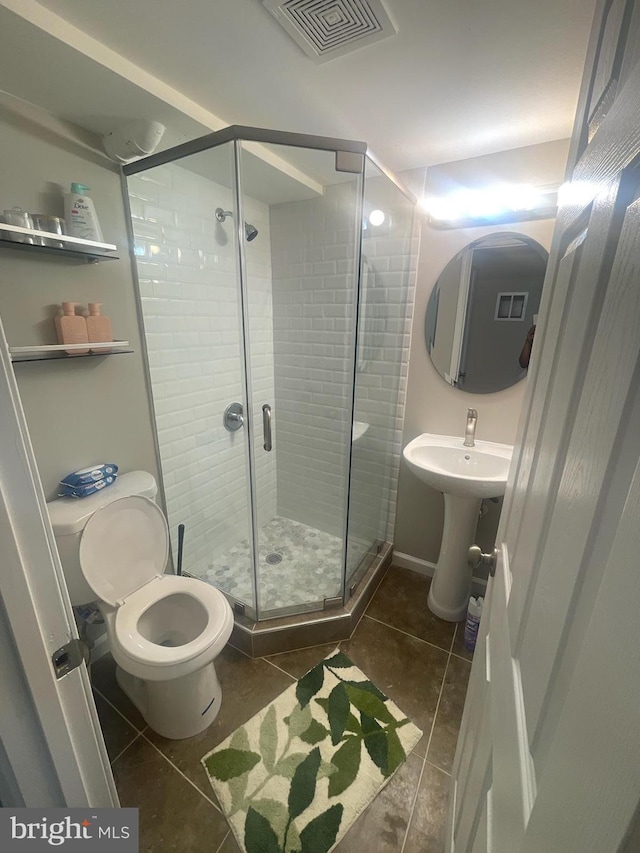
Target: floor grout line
[[453, 639], [455, 634], [425, 762], [407, 634], [222, 842], [275, 666], [240, 651], [193, 784], [122, 751], [435, 713], [454, 655], [118, 711], [413, 804], [446, 772], [139, 733]]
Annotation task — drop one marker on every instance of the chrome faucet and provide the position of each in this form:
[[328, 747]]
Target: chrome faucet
[[470, 429]]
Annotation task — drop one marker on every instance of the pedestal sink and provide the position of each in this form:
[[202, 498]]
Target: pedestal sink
[[465, 475]]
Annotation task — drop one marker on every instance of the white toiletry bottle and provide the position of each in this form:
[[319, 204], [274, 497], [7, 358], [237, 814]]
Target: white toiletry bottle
[[80, 214]]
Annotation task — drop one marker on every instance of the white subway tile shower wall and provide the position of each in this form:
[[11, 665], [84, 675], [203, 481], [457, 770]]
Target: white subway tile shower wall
[[313, 291], [190, 299]]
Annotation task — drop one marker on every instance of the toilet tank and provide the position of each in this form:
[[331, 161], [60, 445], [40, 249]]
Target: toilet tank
[[70, 515]]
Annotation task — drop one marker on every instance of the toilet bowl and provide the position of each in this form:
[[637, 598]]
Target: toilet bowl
[[164, 631]]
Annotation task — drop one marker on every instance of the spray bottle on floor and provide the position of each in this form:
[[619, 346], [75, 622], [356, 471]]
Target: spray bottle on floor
[[474, 613]]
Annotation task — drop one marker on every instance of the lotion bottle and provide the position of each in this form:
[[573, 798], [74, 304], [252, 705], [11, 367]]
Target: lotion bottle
[[72, 328], [80, 214], [98, 326]]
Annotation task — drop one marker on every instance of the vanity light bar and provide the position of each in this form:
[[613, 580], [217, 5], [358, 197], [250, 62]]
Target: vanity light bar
[[489, 205]]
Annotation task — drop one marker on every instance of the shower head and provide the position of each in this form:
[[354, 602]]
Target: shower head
[[250, 231]]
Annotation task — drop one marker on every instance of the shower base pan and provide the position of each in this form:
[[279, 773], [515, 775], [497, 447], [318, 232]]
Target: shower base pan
[[293, 558], [287, 633]]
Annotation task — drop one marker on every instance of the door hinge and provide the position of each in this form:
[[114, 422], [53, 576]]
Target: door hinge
[[69, 657]]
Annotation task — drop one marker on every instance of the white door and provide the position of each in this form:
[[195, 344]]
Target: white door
[[458, 345], [51, 747], [549, 752]]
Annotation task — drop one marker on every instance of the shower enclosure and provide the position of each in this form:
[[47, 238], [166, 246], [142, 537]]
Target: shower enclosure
[[275, 279]]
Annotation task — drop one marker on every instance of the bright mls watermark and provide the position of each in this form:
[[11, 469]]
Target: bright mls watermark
[[35, 830]]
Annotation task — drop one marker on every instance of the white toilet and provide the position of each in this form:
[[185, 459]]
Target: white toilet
[[164, 631]]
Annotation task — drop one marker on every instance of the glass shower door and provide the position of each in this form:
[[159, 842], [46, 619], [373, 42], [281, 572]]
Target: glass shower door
[[387, 274], [190, 299], [301, 279]]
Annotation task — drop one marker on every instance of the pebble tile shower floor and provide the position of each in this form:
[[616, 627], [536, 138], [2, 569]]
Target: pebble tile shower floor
[[311, 560], [415, 658]]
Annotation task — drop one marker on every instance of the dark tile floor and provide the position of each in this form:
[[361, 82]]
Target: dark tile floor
[[418, 660]]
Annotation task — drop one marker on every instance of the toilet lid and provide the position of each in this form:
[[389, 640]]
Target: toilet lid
[[123, 546]]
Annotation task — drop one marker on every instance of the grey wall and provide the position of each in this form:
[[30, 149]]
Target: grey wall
[[432, 405], [86, 410], [494, 346]]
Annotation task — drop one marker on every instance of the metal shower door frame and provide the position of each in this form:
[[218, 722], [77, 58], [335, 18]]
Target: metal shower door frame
[[237, 134]]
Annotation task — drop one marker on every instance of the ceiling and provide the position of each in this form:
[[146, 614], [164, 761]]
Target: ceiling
[[462, 78]]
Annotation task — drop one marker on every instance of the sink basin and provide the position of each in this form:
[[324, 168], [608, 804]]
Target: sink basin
[[444, 463]]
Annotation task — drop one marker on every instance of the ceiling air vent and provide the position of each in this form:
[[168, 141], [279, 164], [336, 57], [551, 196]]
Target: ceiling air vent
[[327, 29]]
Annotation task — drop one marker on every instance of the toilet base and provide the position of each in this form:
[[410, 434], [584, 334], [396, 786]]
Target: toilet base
[[178, 708]]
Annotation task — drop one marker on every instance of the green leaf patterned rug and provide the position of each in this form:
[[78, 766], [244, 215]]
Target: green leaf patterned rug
[[298, 774]]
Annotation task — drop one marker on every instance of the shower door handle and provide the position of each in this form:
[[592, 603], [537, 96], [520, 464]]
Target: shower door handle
[[266, 426]]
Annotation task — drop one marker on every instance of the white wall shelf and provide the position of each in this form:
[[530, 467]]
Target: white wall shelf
[[57, 352], [74, 248]]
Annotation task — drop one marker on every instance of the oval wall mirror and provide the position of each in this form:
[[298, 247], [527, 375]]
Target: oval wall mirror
[[481, 316]]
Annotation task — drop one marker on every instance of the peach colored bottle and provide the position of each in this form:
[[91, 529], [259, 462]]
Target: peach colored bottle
[[98, 327], [72, 328]]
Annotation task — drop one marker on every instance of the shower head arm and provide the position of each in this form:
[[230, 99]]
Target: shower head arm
[[250, 231]]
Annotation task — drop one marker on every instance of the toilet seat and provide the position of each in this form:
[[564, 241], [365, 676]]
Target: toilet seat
[[140, 649], [123, 553]]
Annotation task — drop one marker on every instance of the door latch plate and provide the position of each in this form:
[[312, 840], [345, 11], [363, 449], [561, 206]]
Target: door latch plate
[[69, 657]]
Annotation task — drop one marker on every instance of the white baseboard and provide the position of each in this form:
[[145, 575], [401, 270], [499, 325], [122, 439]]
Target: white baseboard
[[424, 567], [415, 564]]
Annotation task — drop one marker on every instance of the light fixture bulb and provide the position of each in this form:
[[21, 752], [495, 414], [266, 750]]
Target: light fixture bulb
[[377, 217]]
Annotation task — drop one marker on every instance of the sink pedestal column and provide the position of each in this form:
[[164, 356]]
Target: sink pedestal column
[[451, 584]]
